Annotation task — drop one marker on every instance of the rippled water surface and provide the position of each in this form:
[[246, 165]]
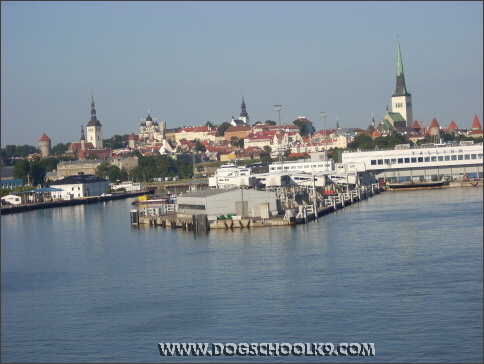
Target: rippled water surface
[[402, 270]]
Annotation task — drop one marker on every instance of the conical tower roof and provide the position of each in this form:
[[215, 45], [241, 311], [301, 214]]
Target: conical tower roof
[[453, 126], [44, 138], [476, 125], [434, 123]]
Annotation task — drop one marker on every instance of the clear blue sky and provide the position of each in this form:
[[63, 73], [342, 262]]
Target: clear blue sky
[[190, 62]]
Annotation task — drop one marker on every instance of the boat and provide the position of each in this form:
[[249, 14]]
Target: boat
[[145, 199], [415, 185]]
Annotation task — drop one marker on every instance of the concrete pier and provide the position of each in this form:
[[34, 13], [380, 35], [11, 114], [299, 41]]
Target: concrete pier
[[305, 214]]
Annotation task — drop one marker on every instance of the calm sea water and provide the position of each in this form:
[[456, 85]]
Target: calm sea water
[[402, 270]]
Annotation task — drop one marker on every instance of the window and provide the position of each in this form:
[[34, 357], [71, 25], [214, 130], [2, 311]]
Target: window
[[441, 158], [380, 161], [394, 160], [453, 157], [420, 159], [407, 160], [460, 157], [467, 156], [387, 161], [473, 156], [400, 160], [433, 159], [447, 158], [414, 160], [427, 159], [373, 162], [191, 207]]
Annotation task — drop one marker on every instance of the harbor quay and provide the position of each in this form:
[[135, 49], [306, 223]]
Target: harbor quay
[[9, 209], [280, 206]]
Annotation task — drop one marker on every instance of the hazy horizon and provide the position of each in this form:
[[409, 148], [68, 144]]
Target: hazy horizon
[[191, 62]]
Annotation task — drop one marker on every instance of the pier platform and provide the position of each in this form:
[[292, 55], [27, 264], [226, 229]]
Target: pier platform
[[305, 214], [9, 209]]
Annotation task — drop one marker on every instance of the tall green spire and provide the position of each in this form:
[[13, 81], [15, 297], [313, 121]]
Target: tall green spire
[[401, 89]]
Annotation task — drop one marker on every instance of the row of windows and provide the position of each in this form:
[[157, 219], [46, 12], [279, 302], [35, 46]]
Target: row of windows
[[401, 104], [297, 167], [440, 158], [191, 207]]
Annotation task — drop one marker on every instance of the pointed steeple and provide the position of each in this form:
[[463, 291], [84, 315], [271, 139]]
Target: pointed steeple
[[401, 89], [243, 111], [82, 133], [94, 121], [93, 108]]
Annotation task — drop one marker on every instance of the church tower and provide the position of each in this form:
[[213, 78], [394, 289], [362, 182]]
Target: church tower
[[94, 129], [402, 99], [243, 113]]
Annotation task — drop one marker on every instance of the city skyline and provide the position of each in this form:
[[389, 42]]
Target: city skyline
[[191, 62]]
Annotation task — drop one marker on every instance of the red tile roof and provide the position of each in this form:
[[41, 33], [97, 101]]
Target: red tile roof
[[476, 125], [434, 123], [44, 138], [453, 126]]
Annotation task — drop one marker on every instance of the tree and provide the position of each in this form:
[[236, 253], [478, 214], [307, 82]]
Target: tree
[[199, 147], [304, 127], [270, 122], [236, 142], [222, 128], [362, 141], [37, 172], [60, 148], [267, 149], [113, 173], [209, 124], [22, 170]]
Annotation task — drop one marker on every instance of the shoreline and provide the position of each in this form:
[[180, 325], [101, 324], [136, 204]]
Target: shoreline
[[10, 209]]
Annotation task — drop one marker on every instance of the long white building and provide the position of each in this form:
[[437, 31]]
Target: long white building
[[426, 163]]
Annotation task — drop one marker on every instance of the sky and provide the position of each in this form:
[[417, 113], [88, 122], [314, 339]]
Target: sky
[[191, 62]]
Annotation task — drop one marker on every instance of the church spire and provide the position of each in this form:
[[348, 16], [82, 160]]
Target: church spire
[[401, 89], [93, 109], [82, 133], [243, 110]]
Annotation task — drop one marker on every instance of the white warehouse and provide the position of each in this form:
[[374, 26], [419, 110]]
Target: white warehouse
[[215, 202]]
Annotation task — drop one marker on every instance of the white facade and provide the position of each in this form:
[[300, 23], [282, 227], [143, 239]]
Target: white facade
[[411, 158], [95, 136], [230, 176], [241, 202], [302, 166], [129, 186], [403, 106], [80, 186]]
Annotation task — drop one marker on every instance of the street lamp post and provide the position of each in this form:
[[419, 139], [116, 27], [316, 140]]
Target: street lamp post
[[278, 108], [323, 115]]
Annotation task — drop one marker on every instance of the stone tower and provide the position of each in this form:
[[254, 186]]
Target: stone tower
[[94, 129], [44, 145], [402, 99]]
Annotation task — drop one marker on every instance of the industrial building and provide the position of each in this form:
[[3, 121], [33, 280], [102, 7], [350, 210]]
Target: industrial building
[[240, 202]]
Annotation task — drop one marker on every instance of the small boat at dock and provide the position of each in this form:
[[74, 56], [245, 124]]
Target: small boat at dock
[[415, 185]]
